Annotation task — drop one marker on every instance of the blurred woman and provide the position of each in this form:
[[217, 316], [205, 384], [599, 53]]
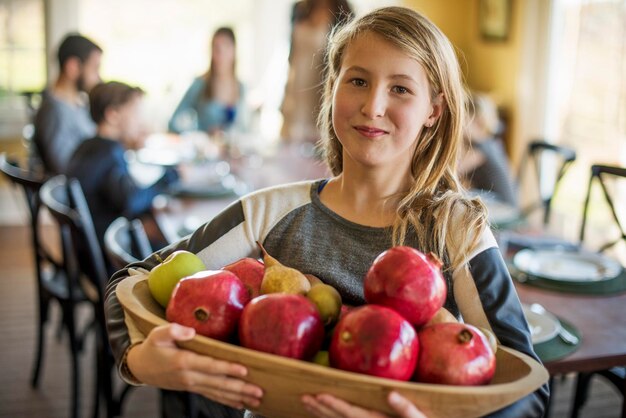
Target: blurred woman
[[215, 101], [311, 22]]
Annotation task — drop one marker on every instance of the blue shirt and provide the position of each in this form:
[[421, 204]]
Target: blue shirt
[[195, 112]]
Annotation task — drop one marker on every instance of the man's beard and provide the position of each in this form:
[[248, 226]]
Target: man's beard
[[80, 83]]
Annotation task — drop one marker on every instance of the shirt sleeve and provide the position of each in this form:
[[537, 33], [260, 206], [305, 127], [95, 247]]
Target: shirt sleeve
[[123, 192], [486, 297], [50, 131], [188, 103], [227, 231]]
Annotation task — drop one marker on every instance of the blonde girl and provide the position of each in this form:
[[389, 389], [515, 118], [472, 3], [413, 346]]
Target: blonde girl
[[392, 116]]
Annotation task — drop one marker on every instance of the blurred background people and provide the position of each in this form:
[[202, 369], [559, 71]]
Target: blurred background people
[[62, 121], [311, 21], [215, 101], [484, 165], [99, 162]]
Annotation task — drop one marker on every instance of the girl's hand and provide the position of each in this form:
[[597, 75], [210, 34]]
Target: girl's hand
[[327, 406], [157, 361]]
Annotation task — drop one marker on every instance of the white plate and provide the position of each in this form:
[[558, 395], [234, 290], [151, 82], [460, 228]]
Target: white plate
[[543, 326], [566, 266]]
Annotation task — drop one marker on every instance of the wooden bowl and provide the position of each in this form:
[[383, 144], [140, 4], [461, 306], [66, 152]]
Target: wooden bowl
[[285, 380]]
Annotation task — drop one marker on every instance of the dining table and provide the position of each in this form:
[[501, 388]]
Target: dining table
[[599, 320], [181, 212]]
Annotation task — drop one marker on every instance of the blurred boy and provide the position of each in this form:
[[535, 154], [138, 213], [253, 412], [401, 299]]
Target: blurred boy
[[99, 162]]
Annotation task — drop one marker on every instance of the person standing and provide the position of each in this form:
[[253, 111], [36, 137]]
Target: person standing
[[62, 121], [311, 20]]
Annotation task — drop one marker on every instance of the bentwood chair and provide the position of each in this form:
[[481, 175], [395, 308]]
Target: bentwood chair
[[82, 254], [547, 182], [126, 242], [602, 175], [53, 282], [535, 153]]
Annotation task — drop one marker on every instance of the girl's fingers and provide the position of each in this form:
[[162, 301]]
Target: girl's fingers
[[232, 399], [403, 406], [318, 409], [224, 384], [218, 397], [166, 335], [346, 409], [210, 365]]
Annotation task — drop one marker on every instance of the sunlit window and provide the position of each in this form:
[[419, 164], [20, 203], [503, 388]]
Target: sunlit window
[[22, 60], [588, 92]]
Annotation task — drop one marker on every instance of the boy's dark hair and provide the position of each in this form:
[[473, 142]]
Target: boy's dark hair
[[75, 45], [110, 95]]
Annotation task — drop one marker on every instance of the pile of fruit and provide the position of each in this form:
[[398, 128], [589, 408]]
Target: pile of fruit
[[403, 332]]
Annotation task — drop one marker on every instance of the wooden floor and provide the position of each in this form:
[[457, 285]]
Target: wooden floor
[[51, 399], [17, 327]]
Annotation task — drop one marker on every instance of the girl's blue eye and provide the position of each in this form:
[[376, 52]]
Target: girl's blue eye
[[400, 90]]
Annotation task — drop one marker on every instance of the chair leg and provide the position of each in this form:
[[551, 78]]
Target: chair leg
[[98, 385], [74, 352], [107, 367], [546, 413], [41, 336], [582, 390]]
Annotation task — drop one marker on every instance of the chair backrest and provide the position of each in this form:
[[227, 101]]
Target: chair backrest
[[66, 202], [534, 154], [126, 242], [601, 173], [29, 181]]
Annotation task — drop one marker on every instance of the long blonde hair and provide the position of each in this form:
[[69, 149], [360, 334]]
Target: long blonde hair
[[436, 194]]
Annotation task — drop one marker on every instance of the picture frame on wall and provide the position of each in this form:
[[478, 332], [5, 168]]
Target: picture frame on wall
[[494, 19]]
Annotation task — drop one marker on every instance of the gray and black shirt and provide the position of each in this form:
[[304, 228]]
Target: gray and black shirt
[[298, 230]]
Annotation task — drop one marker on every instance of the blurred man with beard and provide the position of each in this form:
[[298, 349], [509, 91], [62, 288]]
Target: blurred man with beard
[[63, 120]]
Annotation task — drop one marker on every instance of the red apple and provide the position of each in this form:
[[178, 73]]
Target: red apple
[[285, 324], [407, 281], [211, 302], [375, 340], [250, 271], [454, 354]]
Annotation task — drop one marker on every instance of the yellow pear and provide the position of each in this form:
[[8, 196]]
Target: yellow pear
[[491, 337], [314, 280], [281, 279], [328, 302], [322, 358], [442, 315]]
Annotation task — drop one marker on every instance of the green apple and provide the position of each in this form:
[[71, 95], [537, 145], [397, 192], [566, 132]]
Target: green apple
[[164, 277]]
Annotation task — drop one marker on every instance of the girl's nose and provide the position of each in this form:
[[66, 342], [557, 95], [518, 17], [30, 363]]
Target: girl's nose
[[375, 104]]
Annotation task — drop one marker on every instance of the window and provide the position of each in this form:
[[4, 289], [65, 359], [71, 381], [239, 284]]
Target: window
[[22, 60], [587, 103]]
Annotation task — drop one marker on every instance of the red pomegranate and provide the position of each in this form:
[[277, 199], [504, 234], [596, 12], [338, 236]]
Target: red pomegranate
[[454, 354], [375, 340], [284, 324], [250, 272], [407, 281], [211, 302]]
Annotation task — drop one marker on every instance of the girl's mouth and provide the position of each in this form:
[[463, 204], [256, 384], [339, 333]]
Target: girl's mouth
[[370, 132]]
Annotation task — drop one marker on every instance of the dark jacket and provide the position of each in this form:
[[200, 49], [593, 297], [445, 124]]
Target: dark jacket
[[111, 192]]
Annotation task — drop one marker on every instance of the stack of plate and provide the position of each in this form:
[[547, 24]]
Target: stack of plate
[[566, 266]]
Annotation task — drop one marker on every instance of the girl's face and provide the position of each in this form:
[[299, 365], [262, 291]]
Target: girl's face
[[381, 103], [222, 54]]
